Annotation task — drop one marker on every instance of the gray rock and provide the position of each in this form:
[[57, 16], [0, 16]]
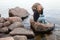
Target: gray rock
[[7, 38], [20, 12], [15, 25], [20, 37], [22, 31]]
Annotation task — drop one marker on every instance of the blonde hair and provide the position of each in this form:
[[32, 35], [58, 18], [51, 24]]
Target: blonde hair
[[34, 7]]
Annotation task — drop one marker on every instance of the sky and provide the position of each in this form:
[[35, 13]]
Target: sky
[[50, 6]]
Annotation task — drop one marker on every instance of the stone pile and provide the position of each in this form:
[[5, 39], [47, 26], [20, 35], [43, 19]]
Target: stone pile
[[13, 27]]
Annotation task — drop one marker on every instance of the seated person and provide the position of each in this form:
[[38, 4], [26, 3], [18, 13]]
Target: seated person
[[38, 13], [38, 17]]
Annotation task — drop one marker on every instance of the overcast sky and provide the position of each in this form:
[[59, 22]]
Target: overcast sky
[[5, 5]]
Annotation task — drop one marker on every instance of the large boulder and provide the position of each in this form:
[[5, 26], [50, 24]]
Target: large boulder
[[39, 27], [17, 37], [14, 19], [7, 38], [20, 12], [22, 31], [15, 25]]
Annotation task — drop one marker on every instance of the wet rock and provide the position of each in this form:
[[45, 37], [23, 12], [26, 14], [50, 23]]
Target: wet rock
[[15, 25], [4, 29], [14, 19], [22, 31], [2, 20], [7, 23], [20, 37], [19, 12], [7, 38]]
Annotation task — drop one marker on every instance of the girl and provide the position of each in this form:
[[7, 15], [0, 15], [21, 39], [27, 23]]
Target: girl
[[38, 13]]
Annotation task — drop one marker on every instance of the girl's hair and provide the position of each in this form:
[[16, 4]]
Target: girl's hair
[[34, 7]]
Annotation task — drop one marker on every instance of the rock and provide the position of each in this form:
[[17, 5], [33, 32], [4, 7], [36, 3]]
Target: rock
[[14, 19], [22, 31], [20, 37], [15, 25], [1, 25], [19, 12], [4, 29], [7, 23], [2, 20], [7, 38], [39, 27]]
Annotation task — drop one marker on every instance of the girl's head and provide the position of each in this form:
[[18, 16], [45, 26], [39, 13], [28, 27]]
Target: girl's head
[[37, 7]]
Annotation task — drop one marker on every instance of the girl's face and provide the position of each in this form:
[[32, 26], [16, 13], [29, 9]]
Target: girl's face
[[39, 8]]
